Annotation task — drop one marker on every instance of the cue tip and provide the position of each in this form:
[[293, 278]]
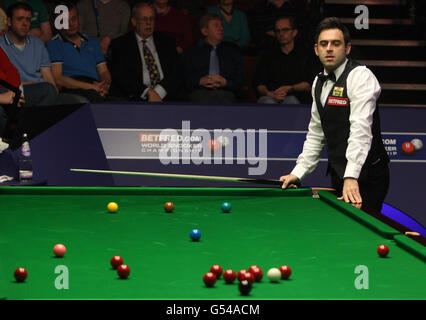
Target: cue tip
[[412, 233]]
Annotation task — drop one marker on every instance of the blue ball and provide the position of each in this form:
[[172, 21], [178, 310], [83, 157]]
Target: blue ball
[[195, 234], [226, 207]]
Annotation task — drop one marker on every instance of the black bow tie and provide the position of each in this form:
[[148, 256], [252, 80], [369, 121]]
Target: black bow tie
[[324, 77]]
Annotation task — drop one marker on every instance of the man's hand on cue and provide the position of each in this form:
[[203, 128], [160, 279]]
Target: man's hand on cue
[[290, 181], [351, 192]]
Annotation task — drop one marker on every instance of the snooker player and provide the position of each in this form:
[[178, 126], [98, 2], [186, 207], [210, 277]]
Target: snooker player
[[345, 118]]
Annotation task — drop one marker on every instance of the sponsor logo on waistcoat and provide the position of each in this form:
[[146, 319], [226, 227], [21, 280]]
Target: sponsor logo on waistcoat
[[338, 101], [337, 92]]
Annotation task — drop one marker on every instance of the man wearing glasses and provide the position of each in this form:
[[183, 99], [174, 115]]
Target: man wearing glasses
[[284, 73], [144, 63]]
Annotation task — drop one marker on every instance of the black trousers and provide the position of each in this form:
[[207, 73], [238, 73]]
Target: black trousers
[[373, 185]]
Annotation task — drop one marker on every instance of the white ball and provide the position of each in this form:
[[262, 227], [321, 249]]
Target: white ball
[[224, 141], [274, 274], [417, 143]]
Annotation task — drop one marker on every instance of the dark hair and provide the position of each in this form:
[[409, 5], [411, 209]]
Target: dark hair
[[205, 19], [18, 5], [141, 4], [332, 23], [292, 20]]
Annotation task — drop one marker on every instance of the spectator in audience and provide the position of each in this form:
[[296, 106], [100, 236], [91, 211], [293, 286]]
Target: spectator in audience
[[144, 62], [40, 26], [10, 74], [284, 72], [104, 20], [29, 55], [78, 65], [263, 17], [214, 70], [235, 26], [173, 22], [3, 24]]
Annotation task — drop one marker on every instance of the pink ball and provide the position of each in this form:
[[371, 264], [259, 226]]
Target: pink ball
[[59, 250]]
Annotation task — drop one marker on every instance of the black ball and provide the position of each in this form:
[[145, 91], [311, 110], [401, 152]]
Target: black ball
[[244, 287]]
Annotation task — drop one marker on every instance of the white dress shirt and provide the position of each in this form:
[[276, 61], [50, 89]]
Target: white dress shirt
[[146, 78], [363, 90]]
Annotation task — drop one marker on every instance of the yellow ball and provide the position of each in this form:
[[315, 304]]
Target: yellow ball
[[112, 207]]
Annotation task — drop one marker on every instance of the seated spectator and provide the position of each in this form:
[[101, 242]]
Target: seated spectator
[[214, 70], [263, 17], [235, 26], [144, 63], [78, 65], [9, 74], [3, 24], [40, 26], [29, 55], [284, 72], [104, 20], [173, 22]]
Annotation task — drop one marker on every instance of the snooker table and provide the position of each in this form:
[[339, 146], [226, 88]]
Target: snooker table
[[322, 239]]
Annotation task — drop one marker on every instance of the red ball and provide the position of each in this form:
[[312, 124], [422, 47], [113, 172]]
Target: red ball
[[217, 270], [229, 276], [408, 147], [383, 250], [59, 250], [214, 144], [240, 274], [116, 261], [169, 206], [209, 279], [285, 272], [248, 276], [123, 271], [20, 274], [257, 272]]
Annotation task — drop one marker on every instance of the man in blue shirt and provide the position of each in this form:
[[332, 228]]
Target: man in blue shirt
[[214, 70], [29, 56], [78, 64]]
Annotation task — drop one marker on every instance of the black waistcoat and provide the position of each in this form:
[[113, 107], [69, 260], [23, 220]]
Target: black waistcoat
[[335, 123]]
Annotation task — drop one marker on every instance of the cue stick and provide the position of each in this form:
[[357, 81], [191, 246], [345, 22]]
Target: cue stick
[[186, 176]]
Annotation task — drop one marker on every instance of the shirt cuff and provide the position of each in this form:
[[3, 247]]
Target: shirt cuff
[[21, 87], [300, 172], [160, 91], [143, 95], [353, 170]]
